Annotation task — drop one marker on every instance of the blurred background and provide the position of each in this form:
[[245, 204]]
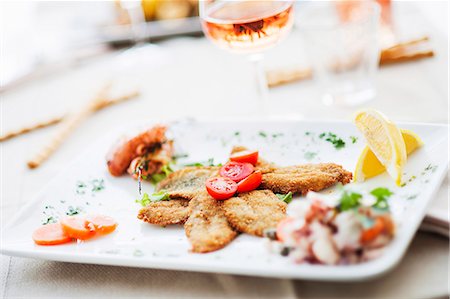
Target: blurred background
[[396, 55], [42, 37]]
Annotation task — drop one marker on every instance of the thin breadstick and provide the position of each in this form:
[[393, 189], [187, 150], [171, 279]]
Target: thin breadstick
[[387, 59], [399, 53], [68, 127], [407, 44], [56, 120], [30, 128]]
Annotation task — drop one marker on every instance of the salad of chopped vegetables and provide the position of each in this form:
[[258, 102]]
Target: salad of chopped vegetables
[[344, 228]]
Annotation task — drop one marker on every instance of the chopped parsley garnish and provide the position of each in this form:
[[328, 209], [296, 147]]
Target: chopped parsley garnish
[[262, 134], [349, 200], [80, 187], [354, 139], [337, 142], [431, 167], [50, 215], [49, 219], [157, 196], [287, 198], [310, 155], [97, 185], [381, 194], [73, 211], [237, 133], [275, 135]]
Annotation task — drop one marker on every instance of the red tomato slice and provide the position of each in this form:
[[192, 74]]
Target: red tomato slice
[[281, 235], [250, 183], [245, 157], [236, 171], [221, 188]]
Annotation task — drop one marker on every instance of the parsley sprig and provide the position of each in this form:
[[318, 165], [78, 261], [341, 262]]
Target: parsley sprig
[[381, 194], [351, 200], [287, 198]]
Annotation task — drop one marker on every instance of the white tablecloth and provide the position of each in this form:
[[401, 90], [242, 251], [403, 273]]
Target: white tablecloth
[[189, 77]]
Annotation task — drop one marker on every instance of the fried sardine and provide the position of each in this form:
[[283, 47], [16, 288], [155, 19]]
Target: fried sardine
[[207, 227], [303, 178], [187, 182], [175, 211], [254, 211]]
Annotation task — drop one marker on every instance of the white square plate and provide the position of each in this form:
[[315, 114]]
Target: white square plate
[[139, 244]]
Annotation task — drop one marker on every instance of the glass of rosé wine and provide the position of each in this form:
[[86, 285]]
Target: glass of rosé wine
[[248, 27]]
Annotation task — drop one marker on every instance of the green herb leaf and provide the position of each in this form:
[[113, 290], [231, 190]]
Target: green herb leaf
[[337, 142], [354, 139], [73, 211], [166, 169], [157, 177], [381, 194], [349, 200], [196, 164], [49, 219], [157, 196], [145, 200], [97, 185], [262, 134], [287, 198], [209, 162]]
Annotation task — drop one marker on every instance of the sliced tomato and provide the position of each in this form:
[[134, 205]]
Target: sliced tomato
[[77, 228], [250, 183], [236, 171], [245, 157], [281, 228], [50, 234], [102, 224], [221, 188]]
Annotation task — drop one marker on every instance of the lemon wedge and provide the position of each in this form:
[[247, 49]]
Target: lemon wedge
[[369, 166], [385, 143]]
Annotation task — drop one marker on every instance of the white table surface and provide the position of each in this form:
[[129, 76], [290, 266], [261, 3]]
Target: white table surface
[[220, 84]]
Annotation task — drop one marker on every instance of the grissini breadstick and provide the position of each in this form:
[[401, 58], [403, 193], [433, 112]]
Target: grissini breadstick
[[401, 52], [68, 126], [56, 120], [30, 128]]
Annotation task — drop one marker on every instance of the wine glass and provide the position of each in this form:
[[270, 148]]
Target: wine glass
[[248, 27]]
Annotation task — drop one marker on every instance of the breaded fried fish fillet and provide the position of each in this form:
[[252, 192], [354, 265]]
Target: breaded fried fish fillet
[[207, 227], [187, 182], [303, 178], [254, 211], [175, 211]]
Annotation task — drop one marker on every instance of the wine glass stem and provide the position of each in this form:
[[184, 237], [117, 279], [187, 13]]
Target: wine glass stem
[[261, 80]]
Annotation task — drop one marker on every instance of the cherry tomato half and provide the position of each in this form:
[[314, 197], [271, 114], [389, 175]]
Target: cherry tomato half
[[236, 171], [221, 188], [250, 183], [245, 157]]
